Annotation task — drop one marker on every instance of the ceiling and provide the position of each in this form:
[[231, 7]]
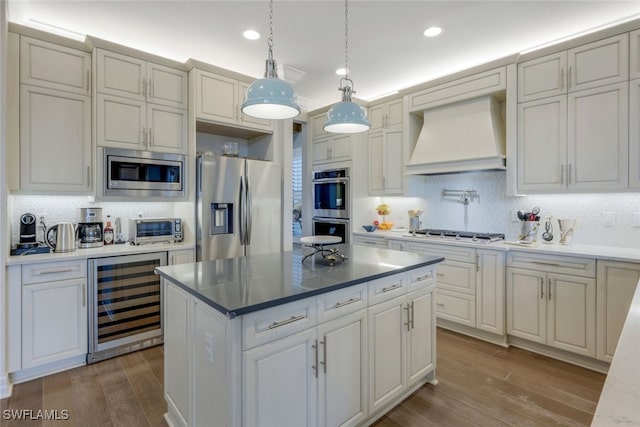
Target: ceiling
[[387, 50]]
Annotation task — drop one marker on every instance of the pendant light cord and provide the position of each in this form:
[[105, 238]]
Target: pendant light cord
[[270, 40], [346, 38]]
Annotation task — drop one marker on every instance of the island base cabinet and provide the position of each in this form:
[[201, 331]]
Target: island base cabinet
[[176, 355], [421, 339], [280, 386]]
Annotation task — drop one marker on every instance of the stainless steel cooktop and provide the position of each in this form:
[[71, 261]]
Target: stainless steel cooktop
[[472, 236]]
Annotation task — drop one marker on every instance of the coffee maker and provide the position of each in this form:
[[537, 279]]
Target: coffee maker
[[89, 233], [27, 231]]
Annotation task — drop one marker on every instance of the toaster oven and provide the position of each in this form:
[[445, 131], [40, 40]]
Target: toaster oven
[[155, 230]]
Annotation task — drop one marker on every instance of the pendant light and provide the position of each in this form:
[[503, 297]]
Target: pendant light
[[346, 116], [270, 97]]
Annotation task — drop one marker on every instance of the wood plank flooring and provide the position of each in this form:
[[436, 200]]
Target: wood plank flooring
[[480, 384]]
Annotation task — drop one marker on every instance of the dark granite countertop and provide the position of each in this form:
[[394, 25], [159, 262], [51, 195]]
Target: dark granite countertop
[[237, 286]]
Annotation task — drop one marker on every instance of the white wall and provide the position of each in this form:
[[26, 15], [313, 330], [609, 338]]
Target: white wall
[[4, 392], [491, 212]]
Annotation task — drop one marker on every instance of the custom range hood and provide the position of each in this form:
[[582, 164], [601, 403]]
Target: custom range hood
[[461, 137]]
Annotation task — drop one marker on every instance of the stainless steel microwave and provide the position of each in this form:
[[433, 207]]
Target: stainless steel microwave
[[134, 173], [155, 230]]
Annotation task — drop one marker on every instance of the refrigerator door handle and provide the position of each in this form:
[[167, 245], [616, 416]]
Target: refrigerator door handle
[[248, 214], [241, 214], [200, 175]]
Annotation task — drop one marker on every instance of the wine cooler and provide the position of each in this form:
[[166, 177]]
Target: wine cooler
[[125, 304]]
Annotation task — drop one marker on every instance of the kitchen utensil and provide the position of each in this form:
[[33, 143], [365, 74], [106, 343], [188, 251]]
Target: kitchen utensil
[[61, 237], [27, 231], [547, 236], [528, 232], [567, 227], [521, 215]]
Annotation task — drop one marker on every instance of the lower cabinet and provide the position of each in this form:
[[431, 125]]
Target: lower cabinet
[[554, 309], [181, 256]]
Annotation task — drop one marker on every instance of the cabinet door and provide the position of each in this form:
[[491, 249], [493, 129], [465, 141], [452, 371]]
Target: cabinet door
[[526, 304], [490, 289], [456, 307], [343, 374], [571, 313], [216, 97], [394, 113], [167, 86], [599, 63], [121, 122], [376, 159], [249, 121], [392, 161], [598, 143], [167, 129], [176, 353], [387, 346], [542, 77], [634, 55], [55, 141], [542, 149], [340, 148], [321, 151], [317, 126], [280, 383], [54, 321], [421, 336], [182, 256], [376, 115], [616, 283], [120, 75], [396, 245], [53, 66], [634, 133]]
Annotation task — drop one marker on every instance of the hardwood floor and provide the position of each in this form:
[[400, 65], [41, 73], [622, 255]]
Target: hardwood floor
[[480, 384]]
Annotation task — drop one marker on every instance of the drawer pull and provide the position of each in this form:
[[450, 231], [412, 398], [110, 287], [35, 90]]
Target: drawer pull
[[422, 278], [551, 264], [439, 274], [286, 322], [55, 271], [349, 301], [439, 304], [315, 360], [391, 288], [408, 322]]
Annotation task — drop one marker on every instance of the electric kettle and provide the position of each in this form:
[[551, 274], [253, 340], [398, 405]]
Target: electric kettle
[[61, 237]]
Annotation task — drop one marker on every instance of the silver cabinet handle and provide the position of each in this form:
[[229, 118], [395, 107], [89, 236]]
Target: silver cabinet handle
[[89, 176], [391, 288], [144, 87], [84, 294], [236, 109], [286, 322], [150, 88], [569, 77], [562, 174], [324, 354], [439, 304], [88, 81], [477, 262], [551, 264], [150, 138], [315, 359], [144, 135], [422, 278], [549, 289], [349, 301], [569, 173], [55, 271], [408, 322], [541, 288], [413, 325], [561, 78], [440, 274]]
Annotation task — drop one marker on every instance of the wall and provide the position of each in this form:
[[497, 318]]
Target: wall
[[493, 211], [4, 384]]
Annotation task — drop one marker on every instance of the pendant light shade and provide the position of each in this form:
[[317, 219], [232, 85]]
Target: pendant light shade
[[270, 97], [346, 116]]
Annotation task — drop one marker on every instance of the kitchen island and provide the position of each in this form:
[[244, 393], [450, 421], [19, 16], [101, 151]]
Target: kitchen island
[[272, 340]]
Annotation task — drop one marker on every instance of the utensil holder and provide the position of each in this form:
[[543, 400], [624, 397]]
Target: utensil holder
[[529, 231]]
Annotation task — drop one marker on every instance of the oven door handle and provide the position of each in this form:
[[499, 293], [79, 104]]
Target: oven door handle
[[330, 220], [330, 180]]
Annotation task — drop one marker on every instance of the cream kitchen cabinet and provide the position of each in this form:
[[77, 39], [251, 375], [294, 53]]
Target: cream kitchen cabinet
[[634, 55], [616, 283], [129, 77], [386, 162], [332, 149], [595, 64], [181, 256], [575, 142], [386, 115], [219, 98], [634, 134], [317, 126], [366, 240], [54, 312], [547, 306]]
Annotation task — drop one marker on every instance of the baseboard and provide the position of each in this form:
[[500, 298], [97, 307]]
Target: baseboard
[[500, 340], [565, 356], [5, 387], [51, 368]]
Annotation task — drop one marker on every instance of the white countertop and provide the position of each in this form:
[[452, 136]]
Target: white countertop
[[104, 251], [619, 402], [590, 251]]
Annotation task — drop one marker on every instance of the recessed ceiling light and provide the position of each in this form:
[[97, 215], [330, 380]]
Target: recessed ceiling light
[[432, 31], [251, 35], [341, 71]]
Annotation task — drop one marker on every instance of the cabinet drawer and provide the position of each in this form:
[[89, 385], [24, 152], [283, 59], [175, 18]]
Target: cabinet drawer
[[387, 288], [459, 308], [340, 303], [369, 241], [51, 271], [264, 326], [457, 276], [449, 252], [421, 277], [584, 267]]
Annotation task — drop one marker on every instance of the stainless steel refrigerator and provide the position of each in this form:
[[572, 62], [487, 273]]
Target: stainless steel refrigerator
[[238, 207]]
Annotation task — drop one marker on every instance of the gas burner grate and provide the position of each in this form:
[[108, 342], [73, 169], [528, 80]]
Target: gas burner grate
[[462, 235]]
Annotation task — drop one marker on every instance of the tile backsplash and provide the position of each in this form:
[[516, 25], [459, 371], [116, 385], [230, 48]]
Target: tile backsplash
[[603, 218]]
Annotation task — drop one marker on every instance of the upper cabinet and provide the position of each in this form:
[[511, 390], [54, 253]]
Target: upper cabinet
[[219, 98], [140, 105], [634, 110], [55, 117], [386, 141], [573, 119], [385, 115]]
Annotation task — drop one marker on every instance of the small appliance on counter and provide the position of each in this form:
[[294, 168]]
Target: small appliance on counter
[[89, 232], [61, 237], [28, 243], [155, 230]]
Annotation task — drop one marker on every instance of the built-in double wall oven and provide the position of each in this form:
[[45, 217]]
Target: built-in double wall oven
[[331, 203]]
